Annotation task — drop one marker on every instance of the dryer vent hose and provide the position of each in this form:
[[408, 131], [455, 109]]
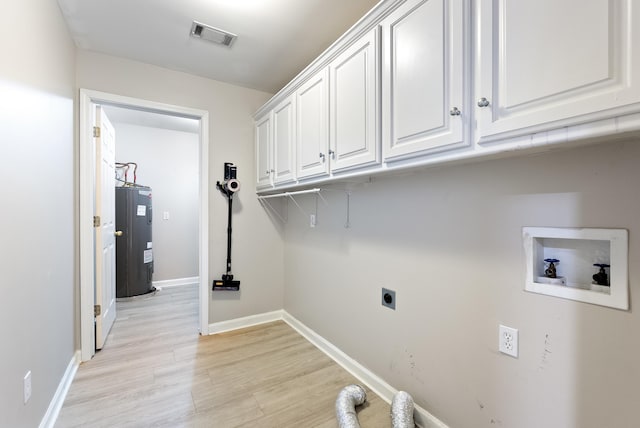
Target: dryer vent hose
[[348, 398], [402, 411], [354, 395]]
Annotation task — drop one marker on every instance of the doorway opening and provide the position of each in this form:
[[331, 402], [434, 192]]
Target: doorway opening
[[88, 100]]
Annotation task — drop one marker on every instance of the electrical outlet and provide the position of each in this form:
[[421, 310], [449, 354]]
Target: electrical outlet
[[27, 387], [312, 220], [389, 298], [508, 341]]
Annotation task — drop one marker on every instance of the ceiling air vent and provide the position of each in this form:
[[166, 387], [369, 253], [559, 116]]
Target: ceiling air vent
[[212, 34]]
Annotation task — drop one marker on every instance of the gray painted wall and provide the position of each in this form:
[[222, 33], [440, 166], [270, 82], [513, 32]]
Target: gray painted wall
[[168, 163], [448, 240], [37, 259], [257, 243]]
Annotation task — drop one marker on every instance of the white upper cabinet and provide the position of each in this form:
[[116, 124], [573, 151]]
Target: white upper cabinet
[[284, 139], [312, 126], [423, 51], [420, 82], [353, 106], [263, 152], [544, 64]]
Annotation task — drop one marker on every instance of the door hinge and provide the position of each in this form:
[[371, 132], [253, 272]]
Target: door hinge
[[96, 132], [96, 221], [97, 309]]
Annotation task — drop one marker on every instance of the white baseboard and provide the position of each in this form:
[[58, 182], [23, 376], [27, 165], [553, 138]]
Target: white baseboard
[[422, 417], [237, 323], [176, 282], [49, 419]]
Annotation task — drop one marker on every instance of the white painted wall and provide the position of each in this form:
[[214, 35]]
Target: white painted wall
[[37, 258], [168, 163], [257, 244], [448, 240]]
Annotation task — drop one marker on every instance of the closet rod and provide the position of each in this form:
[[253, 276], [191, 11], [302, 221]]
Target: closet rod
[[285, 194]]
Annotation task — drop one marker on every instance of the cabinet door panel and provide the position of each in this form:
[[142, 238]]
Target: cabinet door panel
[[559, 55], [263, 152], [544, 64], [284, 141], [423, 52], [353, 80], [311, 127]]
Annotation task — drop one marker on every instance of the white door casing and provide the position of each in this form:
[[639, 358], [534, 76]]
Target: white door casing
[[105, 239], [88, 99]]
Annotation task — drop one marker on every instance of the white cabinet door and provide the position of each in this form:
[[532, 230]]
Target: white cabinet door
[[284, 138], [543, 64], [312, 126], [423, 53], [353, 81], [263, 152]]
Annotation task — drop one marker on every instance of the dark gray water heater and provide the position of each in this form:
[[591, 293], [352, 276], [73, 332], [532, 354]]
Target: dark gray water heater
[[134, 249]]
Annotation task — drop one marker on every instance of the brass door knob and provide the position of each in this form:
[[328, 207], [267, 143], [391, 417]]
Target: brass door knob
[[118, 233]]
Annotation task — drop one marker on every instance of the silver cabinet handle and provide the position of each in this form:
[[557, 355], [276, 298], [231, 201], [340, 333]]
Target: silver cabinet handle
[[332, 153], [483, 102], [455, 111], [322, 157], [268, 172]]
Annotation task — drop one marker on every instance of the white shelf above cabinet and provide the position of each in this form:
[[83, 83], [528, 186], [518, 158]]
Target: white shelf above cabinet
[[577, 251]]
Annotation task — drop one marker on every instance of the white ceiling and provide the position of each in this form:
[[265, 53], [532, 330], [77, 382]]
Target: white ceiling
[[276, 38]]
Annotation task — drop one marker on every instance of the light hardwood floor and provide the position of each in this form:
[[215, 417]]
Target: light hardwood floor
[[156, 371]]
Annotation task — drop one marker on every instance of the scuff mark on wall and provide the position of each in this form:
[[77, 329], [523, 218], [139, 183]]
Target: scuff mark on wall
[[492, 421], [546, 352], [414, 370]]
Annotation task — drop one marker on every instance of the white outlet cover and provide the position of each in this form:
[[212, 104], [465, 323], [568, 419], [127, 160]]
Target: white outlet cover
[[508, 340]]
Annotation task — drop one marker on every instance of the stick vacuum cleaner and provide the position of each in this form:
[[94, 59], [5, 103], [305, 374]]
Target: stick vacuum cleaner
[[228, 187]]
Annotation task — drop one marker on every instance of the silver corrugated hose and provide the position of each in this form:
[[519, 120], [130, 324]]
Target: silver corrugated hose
[[402, 411], [348, 398]]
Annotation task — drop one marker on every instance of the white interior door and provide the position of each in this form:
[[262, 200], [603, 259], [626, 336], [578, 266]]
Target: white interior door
[[105, 245]]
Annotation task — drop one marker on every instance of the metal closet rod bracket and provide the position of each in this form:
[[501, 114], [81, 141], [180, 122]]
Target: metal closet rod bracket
[[318, 192], [291, 196]]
